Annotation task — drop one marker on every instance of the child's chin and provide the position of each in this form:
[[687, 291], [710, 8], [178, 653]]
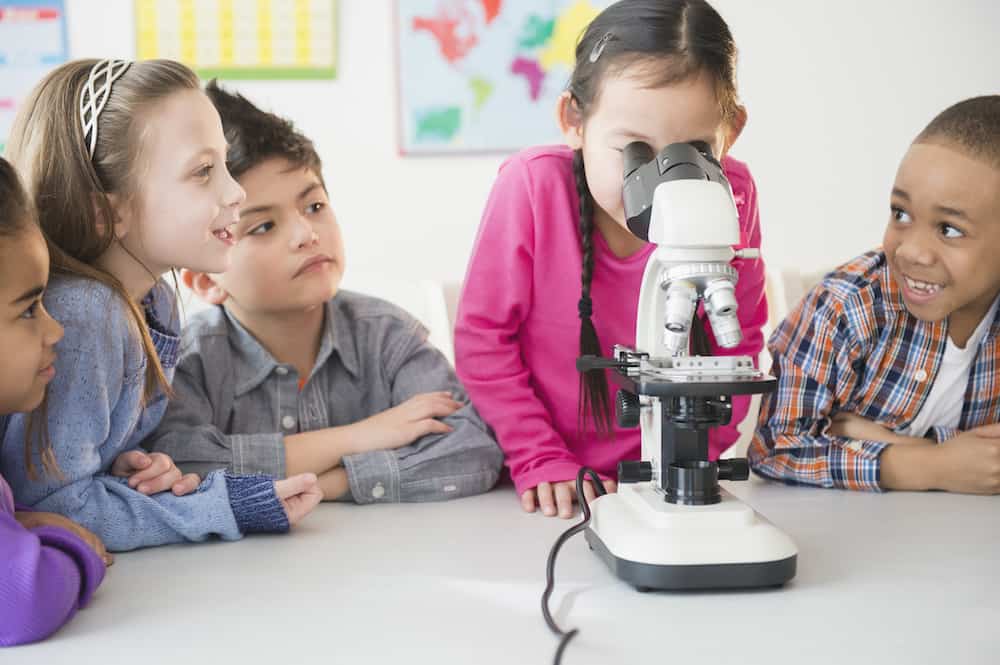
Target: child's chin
[[928, 313]]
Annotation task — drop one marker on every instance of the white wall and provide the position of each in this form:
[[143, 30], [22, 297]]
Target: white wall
[[836, 89]]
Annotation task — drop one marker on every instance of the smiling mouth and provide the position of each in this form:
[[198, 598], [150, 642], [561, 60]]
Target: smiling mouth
[[226, 234], [920, 287]]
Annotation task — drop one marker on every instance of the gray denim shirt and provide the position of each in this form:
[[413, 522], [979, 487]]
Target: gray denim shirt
[[234, 403]]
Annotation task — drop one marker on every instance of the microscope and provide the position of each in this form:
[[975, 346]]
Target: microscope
[[670, 525]]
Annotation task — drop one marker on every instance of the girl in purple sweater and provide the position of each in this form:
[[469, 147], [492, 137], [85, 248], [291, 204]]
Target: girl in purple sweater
[[49, 565]]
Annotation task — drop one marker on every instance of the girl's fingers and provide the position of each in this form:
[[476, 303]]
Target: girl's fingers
[[589, 492], [528, 501], [187, 484], [564, 500], [159, 464], [546, 500]]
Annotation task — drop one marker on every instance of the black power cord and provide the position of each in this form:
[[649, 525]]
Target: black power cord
[[550, 565]]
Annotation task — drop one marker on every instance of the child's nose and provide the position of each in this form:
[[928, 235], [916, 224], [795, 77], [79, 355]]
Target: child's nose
[[305, 234], [235, 195], [53, 331], [916, 250]]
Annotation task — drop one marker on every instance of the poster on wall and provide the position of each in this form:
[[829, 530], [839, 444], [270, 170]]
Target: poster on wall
[[241, 39], [484, 75], [32, 42]]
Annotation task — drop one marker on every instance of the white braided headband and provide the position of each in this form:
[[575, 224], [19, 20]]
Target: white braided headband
[[95, 95]]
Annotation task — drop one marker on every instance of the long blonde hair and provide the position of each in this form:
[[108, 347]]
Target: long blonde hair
[[71, 190]]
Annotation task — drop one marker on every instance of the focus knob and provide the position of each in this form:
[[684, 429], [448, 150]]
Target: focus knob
[[736, 468], [627, 409], [635, 472]]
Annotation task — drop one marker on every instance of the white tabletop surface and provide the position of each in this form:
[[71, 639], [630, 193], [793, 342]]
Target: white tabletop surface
[[893, 578]]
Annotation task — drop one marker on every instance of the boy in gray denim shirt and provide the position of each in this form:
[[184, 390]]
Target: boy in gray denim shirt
[[287, 374]]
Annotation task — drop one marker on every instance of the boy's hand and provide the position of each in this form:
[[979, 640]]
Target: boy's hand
[[559, 497], [298, 495], [855, 427], [970, 462], [32, 520], [402, 425], [151, 473]]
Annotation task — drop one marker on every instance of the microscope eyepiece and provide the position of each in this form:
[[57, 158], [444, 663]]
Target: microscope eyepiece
[[636, 154]]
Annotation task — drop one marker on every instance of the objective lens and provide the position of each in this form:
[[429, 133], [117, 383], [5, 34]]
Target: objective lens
[[720, 303], [682, 298]]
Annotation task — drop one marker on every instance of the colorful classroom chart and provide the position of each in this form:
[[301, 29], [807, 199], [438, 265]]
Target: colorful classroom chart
[[484, 75], [32, 41], [241, 39]]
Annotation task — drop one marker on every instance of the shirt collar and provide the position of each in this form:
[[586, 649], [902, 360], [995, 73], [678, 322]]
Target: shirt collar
[[258, 363]]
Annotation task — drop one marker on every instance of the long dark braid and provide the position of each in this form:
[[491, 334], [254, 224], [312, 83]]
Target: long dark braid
[[593, 384]]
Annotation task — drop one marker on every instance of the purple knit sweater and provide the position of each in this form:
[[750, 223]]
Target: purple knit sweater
[[46, 574]]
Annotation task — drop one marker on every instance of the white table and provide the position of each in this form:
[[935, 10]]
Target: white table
[[894, 578]]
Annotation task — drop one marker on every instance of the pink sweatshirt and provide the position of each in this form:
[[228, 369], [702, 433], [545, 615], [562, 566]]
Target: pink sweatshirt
[[517, 333]]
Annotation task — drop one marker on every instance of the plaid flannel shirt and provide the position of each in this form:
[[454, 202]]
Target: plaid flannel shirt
[[851, 345]]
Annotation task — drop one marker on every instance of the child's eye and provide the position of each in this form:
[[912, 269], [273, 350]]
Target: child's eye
[[951, 232], [261, 229], [32, 310], [204, 171], [900, 215], [314, 208]]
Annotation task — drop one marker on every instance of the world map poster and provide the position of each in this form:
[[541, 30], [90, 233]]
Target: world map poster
[[484, 75]]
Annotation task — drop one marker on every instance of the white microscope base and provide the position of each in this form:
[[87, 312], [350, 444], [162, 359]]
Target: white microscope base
[[653, 544]]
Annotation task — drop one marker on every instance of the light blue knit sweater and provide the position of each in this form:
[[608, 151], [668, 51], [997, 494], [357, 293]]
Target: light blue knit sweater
[[95, 413]]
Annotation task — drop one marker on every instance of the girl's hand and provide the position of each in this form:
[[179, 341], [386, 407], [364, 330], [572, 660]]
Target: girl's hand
[[403, 424], [298, 495], [151, 473], [559, 497], [32, 520]]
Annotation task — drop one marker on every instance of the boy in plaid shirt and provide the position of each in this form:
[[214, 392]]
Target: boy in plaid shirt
[[888, 370]]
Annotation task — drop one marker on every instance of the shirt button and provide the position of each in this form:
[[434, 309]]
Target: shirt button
[[378, 491], [282, 371], [288, 422], [920, 375]]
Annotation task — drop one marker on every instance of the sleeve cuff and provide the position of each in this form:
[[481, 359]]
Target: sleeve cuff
[[941, 433], [553, 472], [90, 565], [255, 504], [856, 465], [373, 476]]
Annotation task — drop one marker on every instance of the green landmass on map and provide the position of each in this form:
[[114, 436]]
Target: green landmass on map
[[438, 124], [536, 32], [481, 91]]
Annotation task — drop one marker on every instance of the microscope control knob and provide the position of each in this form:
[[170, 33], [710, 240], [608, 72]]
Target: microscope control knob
[[635, 472], [736, 468], [627, 409]]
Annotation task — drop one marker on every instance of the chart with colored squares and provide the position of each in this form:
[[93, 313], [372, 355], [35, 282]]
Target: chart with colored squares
[[484, 75], [32, 42], [242, 39]]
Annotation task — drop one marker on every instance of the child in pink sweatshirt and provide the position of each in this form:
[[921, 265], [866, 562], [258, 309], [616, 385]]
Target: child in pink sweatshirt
[[659, 72]]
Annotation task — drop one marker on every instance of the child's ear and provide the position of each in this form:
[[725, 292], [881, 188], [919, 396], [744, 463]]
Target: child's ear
[[204, 286], [570, 120], [734, 128], [121, 218]]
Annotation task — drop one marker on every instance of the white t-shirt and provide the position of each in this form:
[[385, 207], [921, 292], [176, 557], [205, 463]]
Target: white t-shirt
[[943, 407]]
